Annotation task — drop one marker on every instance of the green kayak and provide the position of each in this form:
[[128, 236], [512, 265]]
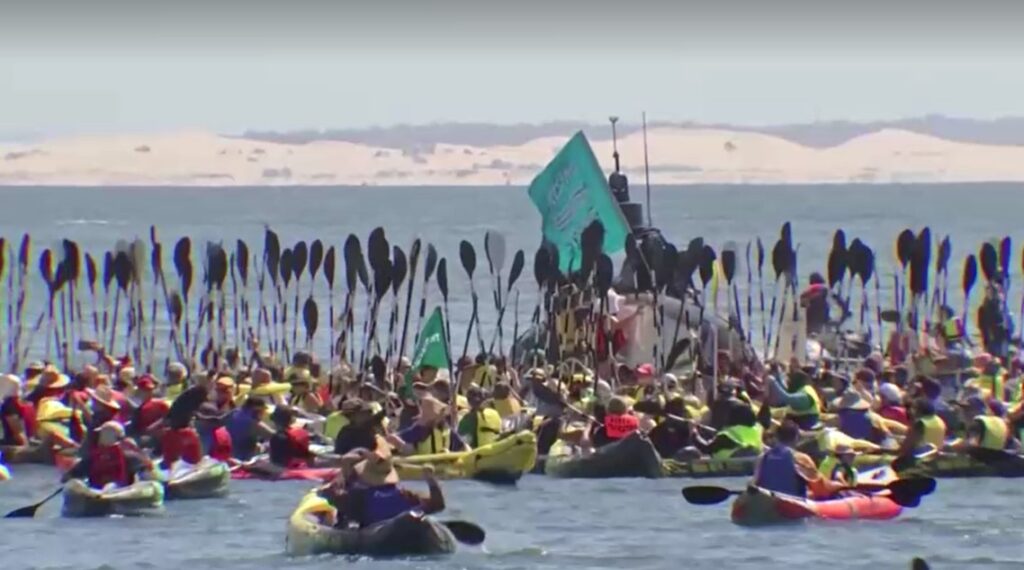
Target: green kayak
[[205, 480], [142, 498], [410, 534]]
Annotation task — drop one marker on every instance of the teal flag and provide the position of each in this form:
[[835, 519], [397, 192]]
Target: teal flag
[[570, 193], [431, 350]]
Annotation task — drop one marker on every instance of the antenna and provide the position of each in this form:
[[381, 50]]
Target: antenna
[[615, 143], [647, 171]]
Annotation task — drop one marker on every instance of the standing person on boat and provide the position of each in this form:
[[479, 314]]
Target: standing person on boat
[[113, 461], [798, 395], [815, 300], [481, 425], [995, 320], [372, 493], [782, 469]]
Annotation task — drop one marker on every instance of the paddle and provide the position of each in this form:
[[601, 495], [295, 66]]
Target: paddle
[[30, 511], [466, 532], [970, 276], [329, 264], [904, 492], [467, 255], [919, 564], [414, 261]]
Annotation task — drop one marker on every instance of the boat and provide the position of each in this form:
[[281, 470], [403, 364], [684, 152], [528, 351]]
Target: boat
[[758, 506], [705, 468], [142, 498], [977, 463], [260, 471], [34, 453], [632, 456], [409, 534], [503, 461], [5, 473], [207, 479]]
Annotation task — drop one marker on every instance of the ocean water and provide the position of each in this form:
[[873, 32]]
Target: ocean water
[[543, 523]]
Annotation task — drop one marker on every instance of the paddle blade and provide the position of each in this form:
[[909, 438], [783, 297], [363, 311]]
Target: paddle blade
[[729, 263], [970, 274], [442, 278], [760, 256], [466, 532], [23, 513], [428, 274], [329, 267], [919, 564], [378, 249], [310, 317], [316, 257], [285, 265], [605, 272], [945, 251], [494, 248], [242, 260], [541, 265], [300, 256], [707, 264], [518, 262], [905, 247], [353, 258], [839, 259], [467, 255], [988, 260], [271, 254], [90, 272], [706, 495], [1004, 256], [908, 492], [399, 269]]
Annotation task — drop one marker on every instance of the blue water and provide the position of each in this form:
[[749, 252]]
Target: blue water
[[543, 523]]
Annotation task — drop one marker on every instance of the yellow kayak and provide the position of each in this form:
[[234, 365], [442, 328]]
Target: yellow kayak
[[5, 474], [502, 461]]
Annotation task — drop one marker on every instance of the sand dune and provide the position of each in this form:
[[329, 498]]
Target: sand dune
[[677, 156]]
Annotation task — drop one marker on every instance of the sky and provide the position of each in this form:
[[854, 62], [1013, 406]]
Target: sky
[[115, 66]]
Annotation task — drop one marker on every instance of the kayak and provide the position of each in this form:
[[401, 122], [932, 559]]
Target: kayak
[[409, 534], [502, 461], [318, 474], [35, 454], [207, 479], [978, 463], [5, 473], [142, 498], [632, 456], [744, 466], [758, 506]]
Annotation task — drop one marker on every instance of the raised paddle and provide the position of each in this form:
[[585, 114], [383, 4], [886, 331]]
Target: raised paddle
[[30, 511], [904, 492], [466, 532], [919, 564]]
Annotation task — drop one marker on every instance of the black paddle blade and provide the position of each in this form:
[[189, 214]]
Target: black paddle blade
[[329, 267], [518, 262], [707, 264], [155, 258], [108, 269], [72, 259], [677, 350], [786, 234], [867, 264], [428, 274], [541, 266], [353, 257], [970, 274], [838, 260], [905, 247], [642, 270], [271, 254], [46, 268], [989, 261], [182, 254], [591, 245], [604, 275], [316, 257], [919, 564], [23, 249], [466, 532], [920, 262], [706, 494], [399, 269], [242, 261], [729, 264], [942, 260], [310, 317], [300, 255], [467, 255], [177, 309], [378, 249], [442, 278], [23, 513], [219, 267], [760, 255], [780, 259], [90, 272], [908, 492], [379, 368], [382, 278], [1004, 256], [285, 265]]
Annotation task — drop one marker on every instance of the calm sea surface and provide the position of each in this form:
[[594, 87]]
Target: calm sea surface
[[543, 523]]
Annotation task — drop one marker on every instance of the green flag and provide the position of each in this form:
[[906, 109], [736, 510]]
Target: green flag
[[431, 350], [570, 193]]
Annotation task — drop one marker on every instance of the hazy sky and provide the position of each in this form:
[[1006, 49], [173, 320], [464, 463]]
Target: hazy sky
[[230, 66]]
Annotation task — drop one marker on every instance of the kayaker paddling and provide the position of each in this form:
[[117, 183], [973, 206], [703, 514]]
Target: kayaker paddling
[[113, 462], [784, 470]]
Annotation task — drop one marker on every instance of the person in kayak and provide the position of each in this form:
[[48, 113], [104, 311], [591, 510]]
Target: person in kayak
[[177, 381], [430, 433], [839, 466], [362, 428], [742, 437], [991, 378], [798, 395], [246, 428], [815, 299], [986, 427], [782, 469], [856, 419], [213, 436], [481, 425], [17, 417], [505, 401], [892, 404], [372, 493], [112, 462], [289, 446], [619, 423], [150, 409], [224, 394], [928, 429], [994, 320]]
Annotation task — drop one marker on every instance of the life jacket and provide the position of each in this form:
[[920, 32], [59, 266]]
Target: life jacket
[[382, 503], [183, 444], [290, 448], [857, 424], [809, 411], [438, 441], [240, 426], [216, 443], [996, 432], [831, 466], [507, 407], [147, 414], [173, 391], [778, 473], [991, 385], [894, 413], [488, 427], [953, 330], [745, 437], [14, 410], [933, 431], [108, 465], [618, 426]]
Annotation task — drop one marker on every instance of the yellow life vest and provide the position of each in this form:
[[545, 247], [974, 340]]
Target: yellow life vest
[[953, 330], [488, 427], [746, 437], [996, 432], [831, 466], [991, 385], [334, 424], [814, 409], [439, 441], [507, 407], [934, 431]]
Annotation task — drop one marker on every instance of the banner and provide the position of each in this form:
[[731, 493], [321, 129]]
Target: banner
[[431, 350], [570, 193]]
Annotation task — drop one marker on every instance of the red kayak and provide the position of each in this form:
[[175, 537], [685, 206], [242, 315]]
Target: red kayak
[[319, 474], [757, 506]]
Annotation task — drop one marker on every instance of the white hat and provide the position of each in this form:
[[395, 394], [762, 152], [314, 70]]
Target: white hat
[[10, 385], [890, 393]]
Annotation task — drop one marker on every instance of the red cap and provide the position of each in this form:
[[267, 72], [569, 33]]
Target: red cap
[[645, 370], [145, 382]]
